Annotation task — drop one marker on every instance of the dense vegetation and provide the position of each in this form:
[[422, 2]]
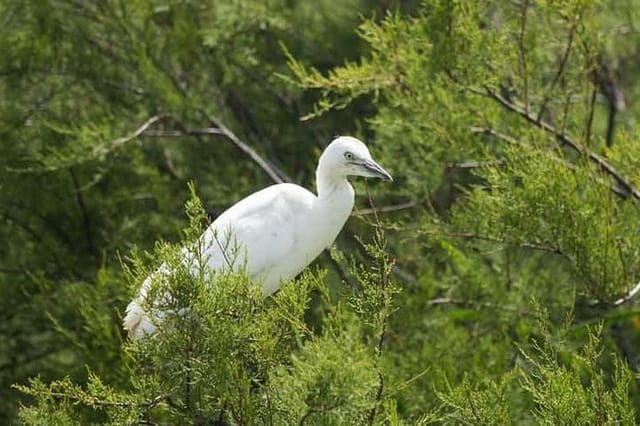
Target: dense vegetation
[[493, 282]]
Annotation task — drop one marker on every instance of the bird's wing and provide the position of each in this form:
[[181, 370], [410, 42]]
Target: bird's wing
[[259, 232]]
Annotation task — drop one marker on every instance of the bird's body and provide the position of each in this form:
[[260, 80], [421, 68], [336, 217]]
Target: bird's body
[[287, 219], [273, 234]]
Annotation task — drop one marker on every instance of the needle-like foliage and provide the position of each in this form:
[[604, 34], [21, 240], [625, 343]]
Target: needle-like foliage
[[495, 281]]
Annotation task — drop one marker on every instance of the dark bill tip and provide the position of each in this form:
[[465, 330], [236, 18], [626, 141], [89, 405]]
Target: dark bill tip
[[378, 171]]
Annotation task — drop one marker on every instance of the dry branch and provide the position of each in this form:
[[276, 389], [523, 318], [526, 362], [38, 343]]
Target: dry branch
[[627, 297], [498, 135], [220, 129], [607, 168], [384, 209], [139, 131], [273, 172]]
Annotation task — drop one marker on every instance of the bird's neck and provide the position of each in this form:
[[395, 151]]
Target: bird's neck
[[330, 210], [334, 192]]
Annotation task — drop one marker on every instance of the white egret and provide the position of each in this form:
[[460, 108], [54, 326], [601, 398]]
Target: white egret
[[276, 232]]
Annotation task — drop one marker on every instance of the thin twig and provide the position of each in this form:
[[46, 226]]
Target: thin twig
[[185, 132], [559, 72], [475, 164], [496, 134], [386, 209], [123, 140], [611, 123], [472, 236], [522, 53], [565, 113], [83, 211], [591, 113]]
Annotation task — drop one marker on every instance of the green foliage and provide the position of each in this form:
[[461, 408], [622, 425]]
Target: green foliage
[[575, 391], [559, 386], [574, 215], [508, 127], [471, 403], [83, 181], [331, 381], [508, 123], [235, 355], [58, 401]]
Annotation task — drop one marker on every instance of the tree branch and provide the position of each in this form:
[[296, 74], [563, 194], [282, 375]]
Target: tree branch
[[184, 132], [372, 413], [611, 123], [8, 270], [273, 172], [123, 140], [472, 236], [607, 168], [604, 79], [487, 131], [627, 297], [83, 211], [220, 129]]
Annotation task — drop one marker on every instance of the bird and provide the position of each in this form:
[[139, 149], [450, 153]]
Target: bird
[[274, 233]]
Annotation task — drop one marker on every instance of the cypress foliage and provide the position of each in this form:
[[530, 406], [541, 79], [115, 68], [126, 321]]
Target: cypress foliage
[[493, 283]]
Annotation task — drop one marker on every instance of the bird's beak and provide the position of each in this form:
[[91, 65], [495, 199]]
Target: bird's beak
[[376, 170]]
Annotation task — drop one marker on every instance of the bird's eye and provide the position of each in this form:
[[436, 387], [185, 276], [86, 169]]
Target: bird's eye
[[348, 155]]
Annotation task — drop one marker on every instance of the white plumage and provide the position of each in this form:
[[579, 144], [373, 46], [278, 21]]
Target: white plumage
[[276, 232]]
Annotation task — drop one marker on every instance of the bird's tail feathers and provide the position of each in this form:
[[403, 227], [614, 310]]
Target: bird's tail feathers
[[136, 321]]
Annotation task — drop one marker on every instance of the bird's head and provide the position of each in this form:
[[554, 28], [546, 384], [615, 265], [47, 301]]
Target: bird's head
[[347, 156]]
